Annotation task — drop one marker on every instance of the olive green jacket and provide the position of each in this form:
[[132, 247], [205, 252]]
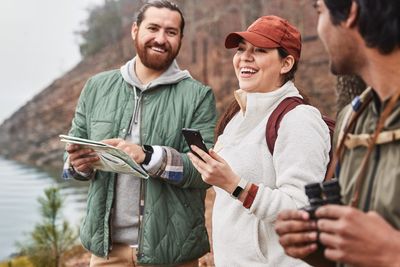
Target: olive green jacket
[[172, 229], [381, 188]]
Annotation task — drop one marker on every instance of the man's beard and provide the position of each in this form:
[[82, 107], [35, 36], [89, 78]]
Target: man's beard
[[155, 62]]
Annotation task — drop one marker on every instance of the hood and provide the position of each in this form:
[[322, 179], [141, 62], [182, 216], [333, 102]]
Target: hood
[[171, 76]]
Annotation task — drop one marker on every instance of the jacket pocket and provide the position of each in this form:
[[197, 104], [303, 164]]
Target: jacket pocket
[[262, 238]]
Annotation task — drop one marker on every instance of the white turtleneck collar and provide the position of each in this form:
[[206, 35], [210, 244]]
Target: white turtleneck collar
[[260, 103]]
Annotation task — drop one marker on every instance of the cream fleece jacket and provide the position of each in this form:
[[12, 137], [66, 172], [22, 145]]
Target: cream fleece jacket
[[246, 237]]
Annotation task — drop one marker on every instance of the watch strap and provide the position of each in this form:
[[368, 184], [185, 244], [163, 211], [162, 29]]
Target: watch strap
[[148, 152]]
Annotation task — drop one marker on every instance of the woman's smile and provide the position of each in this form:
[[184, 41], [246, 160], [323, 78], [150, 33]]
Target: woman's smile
[[247, 72]]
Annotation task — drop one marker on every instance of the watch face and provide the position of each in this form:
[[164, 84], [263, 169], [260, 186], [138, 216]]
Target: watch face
[[237, 192], [147, 149]]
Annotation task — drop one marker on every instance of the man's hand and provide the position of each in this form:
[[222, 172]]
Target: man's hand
[[81, 159], [297, 233], [357, 238], [133, 150]]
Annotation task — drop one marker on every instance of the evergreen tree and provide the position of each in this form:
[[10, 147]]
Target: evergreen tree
[[53, 236]]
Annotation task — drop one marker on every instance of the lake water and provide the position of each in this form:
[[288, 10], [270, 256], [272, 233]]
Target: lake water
[[20, 187]]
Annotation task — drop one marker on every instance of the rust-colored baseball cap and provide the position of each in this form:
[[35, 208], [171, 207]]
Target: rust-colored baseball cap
[[269, 32]]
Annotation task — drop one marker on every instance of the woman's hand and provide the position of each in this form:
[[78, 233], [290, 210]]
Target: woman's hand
[[214, 169]]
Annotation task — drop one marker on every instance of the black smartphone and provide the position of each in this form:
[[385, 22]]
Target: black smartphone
[[193, 137]]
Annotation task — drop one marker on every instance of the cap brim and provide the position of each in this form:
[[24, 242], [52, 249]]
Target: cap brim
[[233, 39]]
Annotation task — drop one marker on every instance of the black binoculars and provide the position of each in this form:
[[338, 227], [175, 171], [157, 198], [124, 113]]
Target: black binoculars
[[321, 194]]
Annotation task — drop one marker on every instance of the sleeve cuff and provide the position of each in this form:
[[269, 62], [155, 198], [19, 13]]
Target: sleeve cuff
[[167, 166], [84, 174], [69, 172]]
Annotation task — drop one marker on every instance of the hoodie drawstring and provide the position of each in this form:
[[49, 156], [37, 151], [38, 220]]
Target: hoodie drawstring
[[135, 117]]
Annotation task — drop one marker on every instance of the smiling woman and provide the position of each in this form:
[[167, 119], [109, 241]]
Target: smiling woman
[[251, 184], [260, 69]]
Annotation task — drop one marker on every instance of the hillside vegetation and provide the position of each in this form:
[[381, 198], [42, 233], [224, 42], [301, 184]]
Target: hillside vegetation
[[30, 135]]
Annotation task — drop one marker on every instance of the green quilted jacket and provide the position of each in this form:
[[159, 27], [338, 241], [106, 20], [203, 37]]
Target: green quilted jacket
[[172, 229]]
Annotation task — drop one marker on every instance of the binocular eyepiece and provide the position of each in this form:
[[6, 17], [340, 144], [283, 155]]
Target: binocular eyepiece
[[321, 194]]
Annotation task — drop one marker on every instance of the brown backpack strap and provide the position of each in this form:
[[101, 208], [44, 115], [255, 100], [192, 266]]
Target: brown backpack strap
[[271, 131], [331, 126]]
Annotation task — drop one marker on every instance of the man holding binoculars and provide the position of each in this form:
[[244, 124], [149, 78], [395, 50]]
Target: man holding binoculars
[[362, 37]]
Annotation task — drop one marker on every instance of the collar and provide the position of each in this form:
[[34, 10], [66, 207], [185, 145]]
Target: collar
[[262, 102]]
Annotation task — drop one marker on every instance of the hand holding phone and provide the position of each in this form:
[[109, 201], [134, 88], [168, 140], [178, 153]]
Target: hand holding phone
[[193, 137]]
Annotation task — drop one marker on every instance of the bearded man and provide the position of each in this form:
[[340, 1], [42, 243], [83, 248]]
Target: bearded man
[[141, 109]]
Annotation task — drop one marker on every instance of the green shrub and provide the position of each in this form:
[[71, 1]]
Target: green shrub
[[52, 237]]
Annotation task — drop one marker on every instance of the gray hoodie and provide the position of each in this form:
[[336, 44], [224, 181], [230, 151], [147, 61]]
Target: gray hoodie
[[125, 220], [171, 76]]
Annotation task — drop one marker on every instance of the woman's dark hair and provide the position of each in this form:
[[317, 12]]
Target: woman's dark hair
[[226, 117], [378, 21], [160, 4], [234, 107]]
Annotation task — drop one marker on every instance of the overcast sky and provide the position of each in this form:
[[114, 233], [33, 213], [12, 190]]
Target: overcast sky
[[37, 45]]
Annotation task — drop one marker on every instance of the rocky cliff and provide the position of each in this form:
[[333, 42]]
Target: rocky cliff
[[30, 135]]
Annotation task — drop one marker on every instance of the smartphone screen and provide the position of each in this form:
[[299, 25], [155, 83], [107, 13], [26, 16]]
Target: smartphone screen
[[193, 137]]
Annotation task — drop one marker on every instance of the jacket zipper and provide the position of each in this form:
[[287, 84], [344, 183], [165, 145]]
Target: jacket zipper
[[143, 186], [110, 221], [110, 247], [142, 182]]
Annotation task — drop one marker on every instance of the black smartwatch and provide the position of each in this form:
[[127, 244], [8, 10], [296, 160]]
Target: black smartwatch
[[239, 188], [148, 151]]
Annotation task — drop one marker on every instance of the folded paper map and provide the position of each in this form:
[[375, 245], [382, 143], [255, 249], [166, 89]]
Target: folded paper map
[[112, 159]]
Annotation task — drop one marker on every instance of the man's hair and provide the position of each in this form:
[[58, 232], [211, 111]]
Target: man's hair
[[160, 4], [378, 21]]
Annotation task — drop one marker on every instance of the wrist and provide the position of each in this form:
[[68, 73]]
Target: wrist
[[239, 188], [230, 186], [245, 192], [85, 173]]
